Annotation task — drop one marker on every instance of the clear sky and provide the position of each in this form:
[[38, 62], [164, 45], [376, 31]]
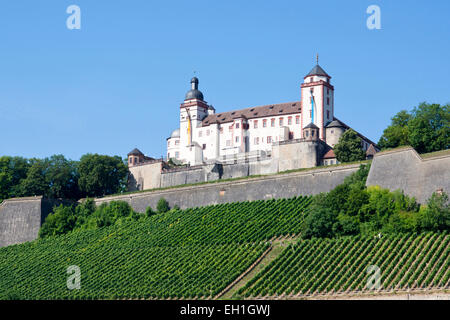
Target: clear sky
[[117, 83]]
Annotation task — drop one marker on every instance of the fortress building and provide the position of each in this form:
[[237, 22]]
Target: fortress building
[[268, 139]]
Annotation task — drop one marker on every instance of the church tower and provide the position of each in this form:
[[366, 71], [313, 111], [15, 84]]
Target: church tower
[[317, 95], [192, 111]]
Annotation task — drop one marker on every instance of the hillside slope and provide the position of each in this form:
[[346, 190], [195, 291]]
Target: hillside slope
[[197, 253]]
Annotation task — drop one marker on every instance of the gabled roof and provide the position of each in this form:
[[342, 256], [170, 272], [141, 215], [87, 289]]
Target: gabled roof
[[371, 151], [329, 155], [317, 71], [254, 112], [359, 134], [135, 152]]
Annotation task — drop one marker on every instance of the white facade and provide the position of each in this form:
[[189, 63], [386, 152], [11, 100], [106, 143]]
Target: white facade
[[205, 136]]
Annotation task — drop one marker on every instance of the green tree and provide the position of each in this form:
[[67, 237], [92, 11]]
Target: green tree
[[162, 206], [349, 147], [35, 183], [61, 221], [426, 129], [101, 175], [397, 134], [62, 178], [430, 128], [436, 215], [319, 223], [12, 171]]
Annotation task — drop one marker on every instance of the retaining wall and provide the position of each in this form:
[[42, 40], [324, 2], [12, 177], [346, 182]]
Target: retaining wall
[[405, 169], [286, 185]]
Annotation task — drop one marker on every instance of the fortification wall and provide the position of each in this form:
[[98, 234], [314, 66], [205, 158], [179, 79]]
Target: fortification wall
[[146, 176], [405, 169], [286, 185], [21, 218]]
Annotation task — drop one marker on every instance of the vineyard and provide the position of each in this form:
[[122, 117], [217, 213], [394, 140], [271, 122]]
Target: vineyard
[[322, 266], [193, 253], [197, 253]]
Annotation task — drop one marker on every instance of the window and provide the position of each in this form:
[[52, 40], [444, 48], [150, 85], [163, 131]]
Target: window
[[272, 122], [269, 139], [257, 140], [135, 160], [281, 122], [312, 133], [208, 132], [264, 123], [237, 125], [291, 135], [228, 143], [306, 133], [204, 146], [289, 121], [168, 143], [328, 114], [131, 160], [200, 133], [177, 154], [237, 140], [328, 90], [312, 79], [328, 101], [297, 120], [332, 131], [255, 124]]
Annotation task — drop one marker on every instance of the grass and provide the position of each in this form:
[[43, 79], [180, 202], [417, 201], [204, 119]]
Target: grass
[[435, 154]]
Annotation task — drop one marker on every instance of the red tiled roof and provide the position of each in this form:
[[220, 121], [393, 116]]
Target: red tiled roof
[[329, 155], [254, 112]]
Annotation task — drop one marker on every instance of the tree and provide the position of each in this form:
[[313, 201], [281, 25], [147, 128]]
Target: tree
[[101, 175], [430, 128], [162, 206], [397, 133], [349, 147], [319, 223], [426, 129], [12, 171], [35, 183], [61, 221], [436, 215], [62, 178]]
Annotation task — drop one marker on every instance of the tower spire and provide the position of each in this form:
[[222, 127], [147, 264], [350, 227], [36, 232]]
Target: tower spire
[[317, 58]]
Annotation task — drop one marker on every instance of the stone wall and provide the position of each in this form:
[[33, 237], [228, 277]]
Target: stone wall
[[145, 176], [405, 169], [287, 185], [21, 218]]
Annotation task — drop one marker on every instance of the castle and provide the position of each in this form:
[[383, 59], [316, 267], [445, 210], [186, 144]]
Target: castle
[[262, 139]]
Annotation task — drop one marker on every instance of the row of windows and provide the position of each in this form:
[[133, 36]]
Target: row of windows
[[177, 155], [177, 142], [280, 122]]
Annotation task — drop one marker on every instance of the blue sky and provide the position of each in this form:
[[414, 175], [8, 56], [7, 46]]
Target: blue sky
[[118, 82]]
